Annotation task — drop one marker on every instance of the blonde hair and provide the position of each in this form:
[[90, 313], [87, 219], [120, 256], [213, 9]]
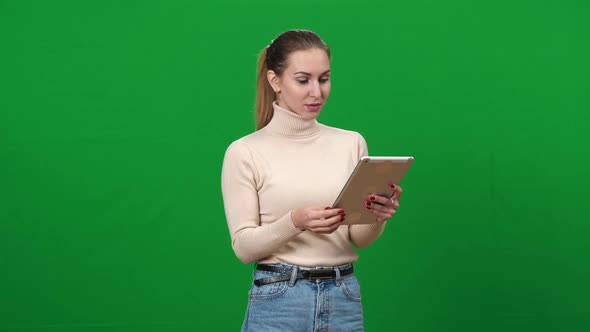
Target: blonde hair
[[274, 57]]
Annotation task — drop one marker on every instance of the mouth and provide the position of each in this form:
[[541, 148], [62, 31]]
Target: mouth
[[313, 107]]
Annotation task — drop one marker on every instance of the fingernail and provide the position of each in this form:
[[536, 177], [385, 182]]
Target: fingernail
[[327, 208], [367, 204], [372, 198], [392, 186], [341, 211]]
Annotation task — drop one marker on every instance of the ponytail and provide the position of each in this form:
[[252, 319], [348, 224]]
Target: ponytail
[[265, 95]]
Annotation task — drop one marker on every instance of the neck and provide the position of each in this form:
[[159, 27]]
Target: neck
[[289, 123]]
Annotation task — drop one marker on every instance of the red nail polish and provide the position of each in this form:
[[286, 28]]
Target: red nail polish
[[367, 204], [341, 211], [392, 186], [327, 208], [372, 198]]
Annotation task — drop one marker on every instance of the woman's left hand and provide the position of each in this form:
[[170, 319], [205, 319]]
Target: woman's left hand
[[384, 207]]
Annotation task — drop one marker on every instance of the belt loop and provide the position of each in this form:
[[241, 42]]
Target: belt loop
[[337, 280], [293, 279]]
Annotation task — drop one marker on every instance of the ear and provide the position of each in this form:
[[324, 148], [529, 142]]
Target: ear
[[273, 80]]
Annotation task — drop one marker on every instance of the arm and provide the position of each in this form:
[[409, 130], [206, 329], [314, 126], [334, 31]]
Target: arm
[[250, 240], [363, 235]]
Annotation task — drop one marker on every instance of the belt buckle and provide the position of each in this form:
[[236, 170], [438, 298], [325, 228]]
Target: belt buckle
[[321, 273]]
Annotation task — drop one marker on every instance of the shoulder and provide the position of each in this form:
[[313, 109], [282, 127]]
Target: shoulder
[[243, 147], [238, 160], [239, 147]]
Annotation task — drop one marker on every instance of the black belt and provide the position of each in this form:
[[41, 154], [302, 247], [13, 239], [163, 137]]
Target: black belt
[[305, 274]]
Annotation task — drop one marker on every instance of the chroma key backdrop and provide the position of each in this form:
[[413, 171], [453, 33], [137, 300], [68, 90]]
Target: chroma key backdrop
[[115, 115]]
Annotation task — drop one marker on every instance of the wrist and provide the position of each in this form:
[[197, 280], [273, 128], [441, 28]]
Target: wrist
[[294, 222]]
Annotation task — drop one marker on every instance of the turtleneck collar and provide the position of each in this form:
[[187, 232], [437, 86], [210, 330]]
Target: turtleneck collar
[[289, 123]]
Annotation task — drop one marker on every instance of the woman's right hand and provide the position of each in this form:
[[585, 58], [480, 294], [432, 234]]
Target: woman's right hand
[[318, 219]]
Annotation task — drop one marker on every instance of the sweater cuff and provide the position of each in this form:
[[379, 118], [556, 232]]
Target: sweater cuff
[[285, 228]]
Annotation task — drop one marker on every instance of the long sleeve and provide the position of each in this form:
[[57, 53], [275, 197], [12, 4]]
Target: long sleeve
[[363, 235], [251, 241], [291, 163]]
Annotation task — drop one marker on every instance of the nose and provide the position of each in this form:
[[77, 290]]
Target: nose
[[314, 89]]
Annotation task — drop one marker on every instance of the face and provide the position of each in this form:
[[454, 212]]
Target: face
[[305, 85]]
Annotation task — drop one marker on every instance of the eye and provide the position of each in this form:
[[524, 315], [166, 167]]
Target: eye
[[324, 80], [303, 81]]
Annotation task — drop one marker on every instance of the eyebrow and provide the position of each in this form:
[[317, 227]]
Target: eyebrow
[[308, 74]]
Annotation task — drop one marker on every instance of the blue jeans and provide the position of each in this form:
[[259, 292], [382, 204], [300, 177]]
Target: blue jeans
[[305, 305]]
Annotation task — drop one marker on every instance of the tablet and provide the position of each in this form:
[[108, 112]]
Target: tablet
[[371, 175]]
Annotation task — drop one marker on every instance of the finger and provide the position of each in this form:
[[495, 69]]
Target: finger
[[379, 200], [327, 222], [326, 230], [384, 208], [326, 213], [397, 191], [393, 203], [381, 213]]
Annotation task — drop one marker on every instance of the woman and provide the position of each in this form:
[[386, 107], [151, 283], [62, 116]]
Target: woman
[[277, 185]]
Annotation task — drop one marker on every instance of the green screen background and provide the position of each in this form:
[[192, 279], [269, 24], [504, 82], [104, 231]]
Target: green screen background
[[114, 117]]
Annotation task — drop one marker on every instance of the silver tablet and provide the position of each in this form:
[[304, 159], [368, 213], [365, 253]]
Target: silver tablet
[[371, 175]]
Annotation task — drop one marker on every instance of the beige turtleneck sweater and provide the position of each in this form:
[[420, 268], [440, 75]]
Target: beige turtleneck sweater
[[291, 163]]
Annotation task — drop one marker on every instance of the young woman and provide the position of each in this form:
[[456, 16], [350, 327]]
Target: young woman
[[277, 185]]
